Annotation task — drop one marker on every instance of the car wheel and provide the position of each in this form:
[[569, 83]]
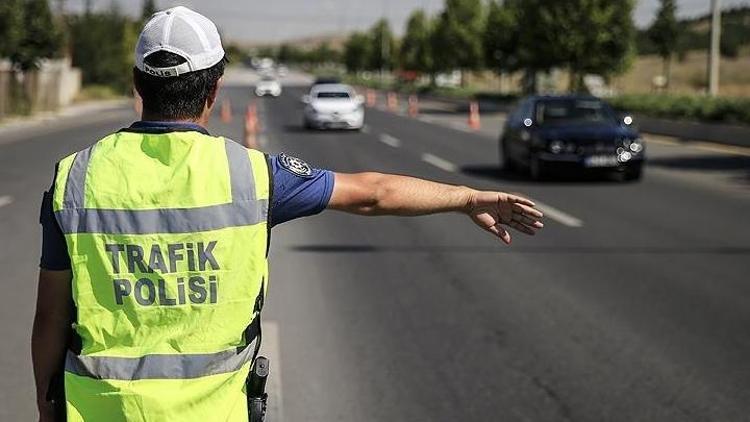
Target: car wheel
[[537, 168], [505, 160]]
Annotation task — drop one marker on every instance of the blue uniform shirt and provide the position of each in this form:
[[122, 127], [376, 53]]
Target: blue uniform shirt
[[298, 190]]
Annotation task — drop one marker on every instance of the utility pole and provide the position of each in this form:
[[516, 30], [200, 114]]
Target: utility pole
[[714, 52], [383, 44]]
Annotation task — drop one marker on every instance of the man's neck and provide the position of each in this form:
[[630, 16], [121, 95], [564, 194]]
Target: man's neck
[[154, 118]]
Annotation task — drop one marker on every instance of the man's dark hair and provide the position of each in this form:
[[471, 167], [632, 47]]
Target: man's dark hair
[[178, 97]]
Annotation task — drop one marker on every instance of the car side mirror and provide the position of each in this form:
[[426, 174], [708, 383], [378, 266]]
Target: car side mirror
[[306, 99]]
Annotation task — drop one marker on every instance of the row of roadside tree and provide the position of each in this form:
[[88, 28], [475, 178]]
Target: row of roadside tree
[[519, 36], [528, 36], [98, 42]]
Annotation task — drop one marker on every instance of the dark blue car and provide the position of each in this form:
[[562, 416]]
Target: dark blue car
[[545, 133]]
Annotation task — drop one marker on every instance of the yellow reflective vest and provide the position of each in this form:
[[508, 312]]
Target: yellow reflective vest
[[167, 235]]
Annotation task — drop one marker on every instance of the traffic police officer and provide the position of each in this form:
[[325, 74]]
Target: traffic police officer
[[155, 241]]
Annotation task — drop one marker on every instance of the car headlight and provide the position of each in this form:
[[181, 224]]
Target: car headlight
[[636, 145], [556, 146], [633, 145]]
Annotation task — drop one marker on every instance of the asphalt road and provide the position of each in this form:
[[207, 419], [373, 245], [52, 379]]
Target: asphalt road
[[630, 305]]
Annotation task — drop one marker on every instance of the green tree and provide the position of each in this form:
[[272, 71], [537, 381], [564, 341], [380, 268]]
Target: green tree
[[383, 48], [103, 48], [415, 52], [11, 26], [286, 53], [235, 52], [664, 33], [40, 38], [357, 52], [147, 9], [457, 39], [584, 36], [501, 37], [323, 53]]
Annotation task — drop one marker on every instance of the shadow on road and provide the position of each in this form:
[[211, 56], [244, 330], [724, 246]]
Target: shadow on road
[[597, 250], [737, 166]]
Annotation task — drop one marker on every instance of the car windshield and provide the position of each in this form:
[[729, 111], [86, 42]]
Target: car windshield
[[566, 111], [268, 79], [337, 95]]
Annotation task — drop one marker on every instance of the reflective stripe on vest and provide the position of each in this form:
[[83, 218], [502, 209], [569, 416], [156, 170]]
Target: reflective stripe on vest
[[167, 235], [242, 211], [164, 366]]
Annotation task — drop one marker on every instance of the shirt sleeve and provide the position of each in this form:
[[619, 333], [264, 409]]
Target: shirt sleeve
[[54, 249], [299, 190]]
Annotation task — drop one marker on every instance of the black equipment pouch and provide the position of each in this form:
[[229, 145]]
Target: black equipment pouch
[[257, 398]]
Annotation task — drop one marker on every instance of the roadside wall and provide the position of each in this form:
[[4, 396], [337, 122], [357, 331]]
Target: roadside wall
[[54, 85]]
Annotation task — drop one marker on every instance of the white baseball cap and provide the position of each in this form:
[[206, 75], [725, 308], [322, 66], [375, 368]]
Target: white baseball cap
[[183, 32]]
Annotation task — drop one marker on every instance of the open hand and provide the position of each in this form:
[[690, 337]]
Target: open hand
[[494, 211]]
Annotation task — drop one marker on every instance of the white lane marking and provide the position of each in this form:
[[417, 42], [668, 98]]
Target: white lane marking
[[390, 140], [5, 200], [557, 215], [270, 348], [439, 162]]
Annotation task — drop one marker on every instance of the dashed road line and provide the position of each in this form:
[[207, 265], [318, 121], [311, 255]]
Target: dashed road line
[[5, 200], [270, 348], [439, 162], [555, 214], [390, 140]]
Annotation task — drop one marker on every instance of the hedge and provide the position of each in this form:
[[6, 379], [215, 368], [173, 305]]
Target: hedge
[[688, 107], [685, 107]]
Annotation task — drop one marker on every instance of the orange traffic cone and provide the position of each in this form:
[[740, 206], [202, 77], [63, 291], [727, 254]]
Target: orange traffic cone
[[226, 111], [474, 122], [251, 126], [371, 98], [413, 105], [392, 101]]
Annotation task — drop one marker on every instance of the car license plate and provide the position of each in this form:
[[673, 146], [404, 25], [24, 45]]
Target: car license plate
[[600, 161]]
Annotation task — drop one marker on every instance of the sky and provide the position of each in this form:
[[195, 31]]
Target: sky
[[253, 21]]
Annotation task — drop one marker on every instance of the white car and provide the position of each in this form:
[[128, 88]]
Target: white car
[[333, 106], [268, 86]]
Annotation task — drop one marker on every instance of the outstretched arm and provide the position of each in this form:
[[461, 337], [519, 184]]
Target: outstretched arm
[[387, 194]]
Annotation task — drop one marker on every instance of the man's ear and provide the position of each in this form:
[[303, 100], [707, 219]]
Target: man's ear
[[211, 101]]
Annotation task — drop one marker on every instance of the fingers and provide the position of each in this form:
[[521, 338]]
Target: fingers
[[522, 228], [500, 232], [521, 200], [528, 221], [527, 210]]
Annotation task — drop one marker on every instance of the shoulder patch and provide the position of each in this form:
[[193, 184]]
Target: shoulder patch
[[295, 166]]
